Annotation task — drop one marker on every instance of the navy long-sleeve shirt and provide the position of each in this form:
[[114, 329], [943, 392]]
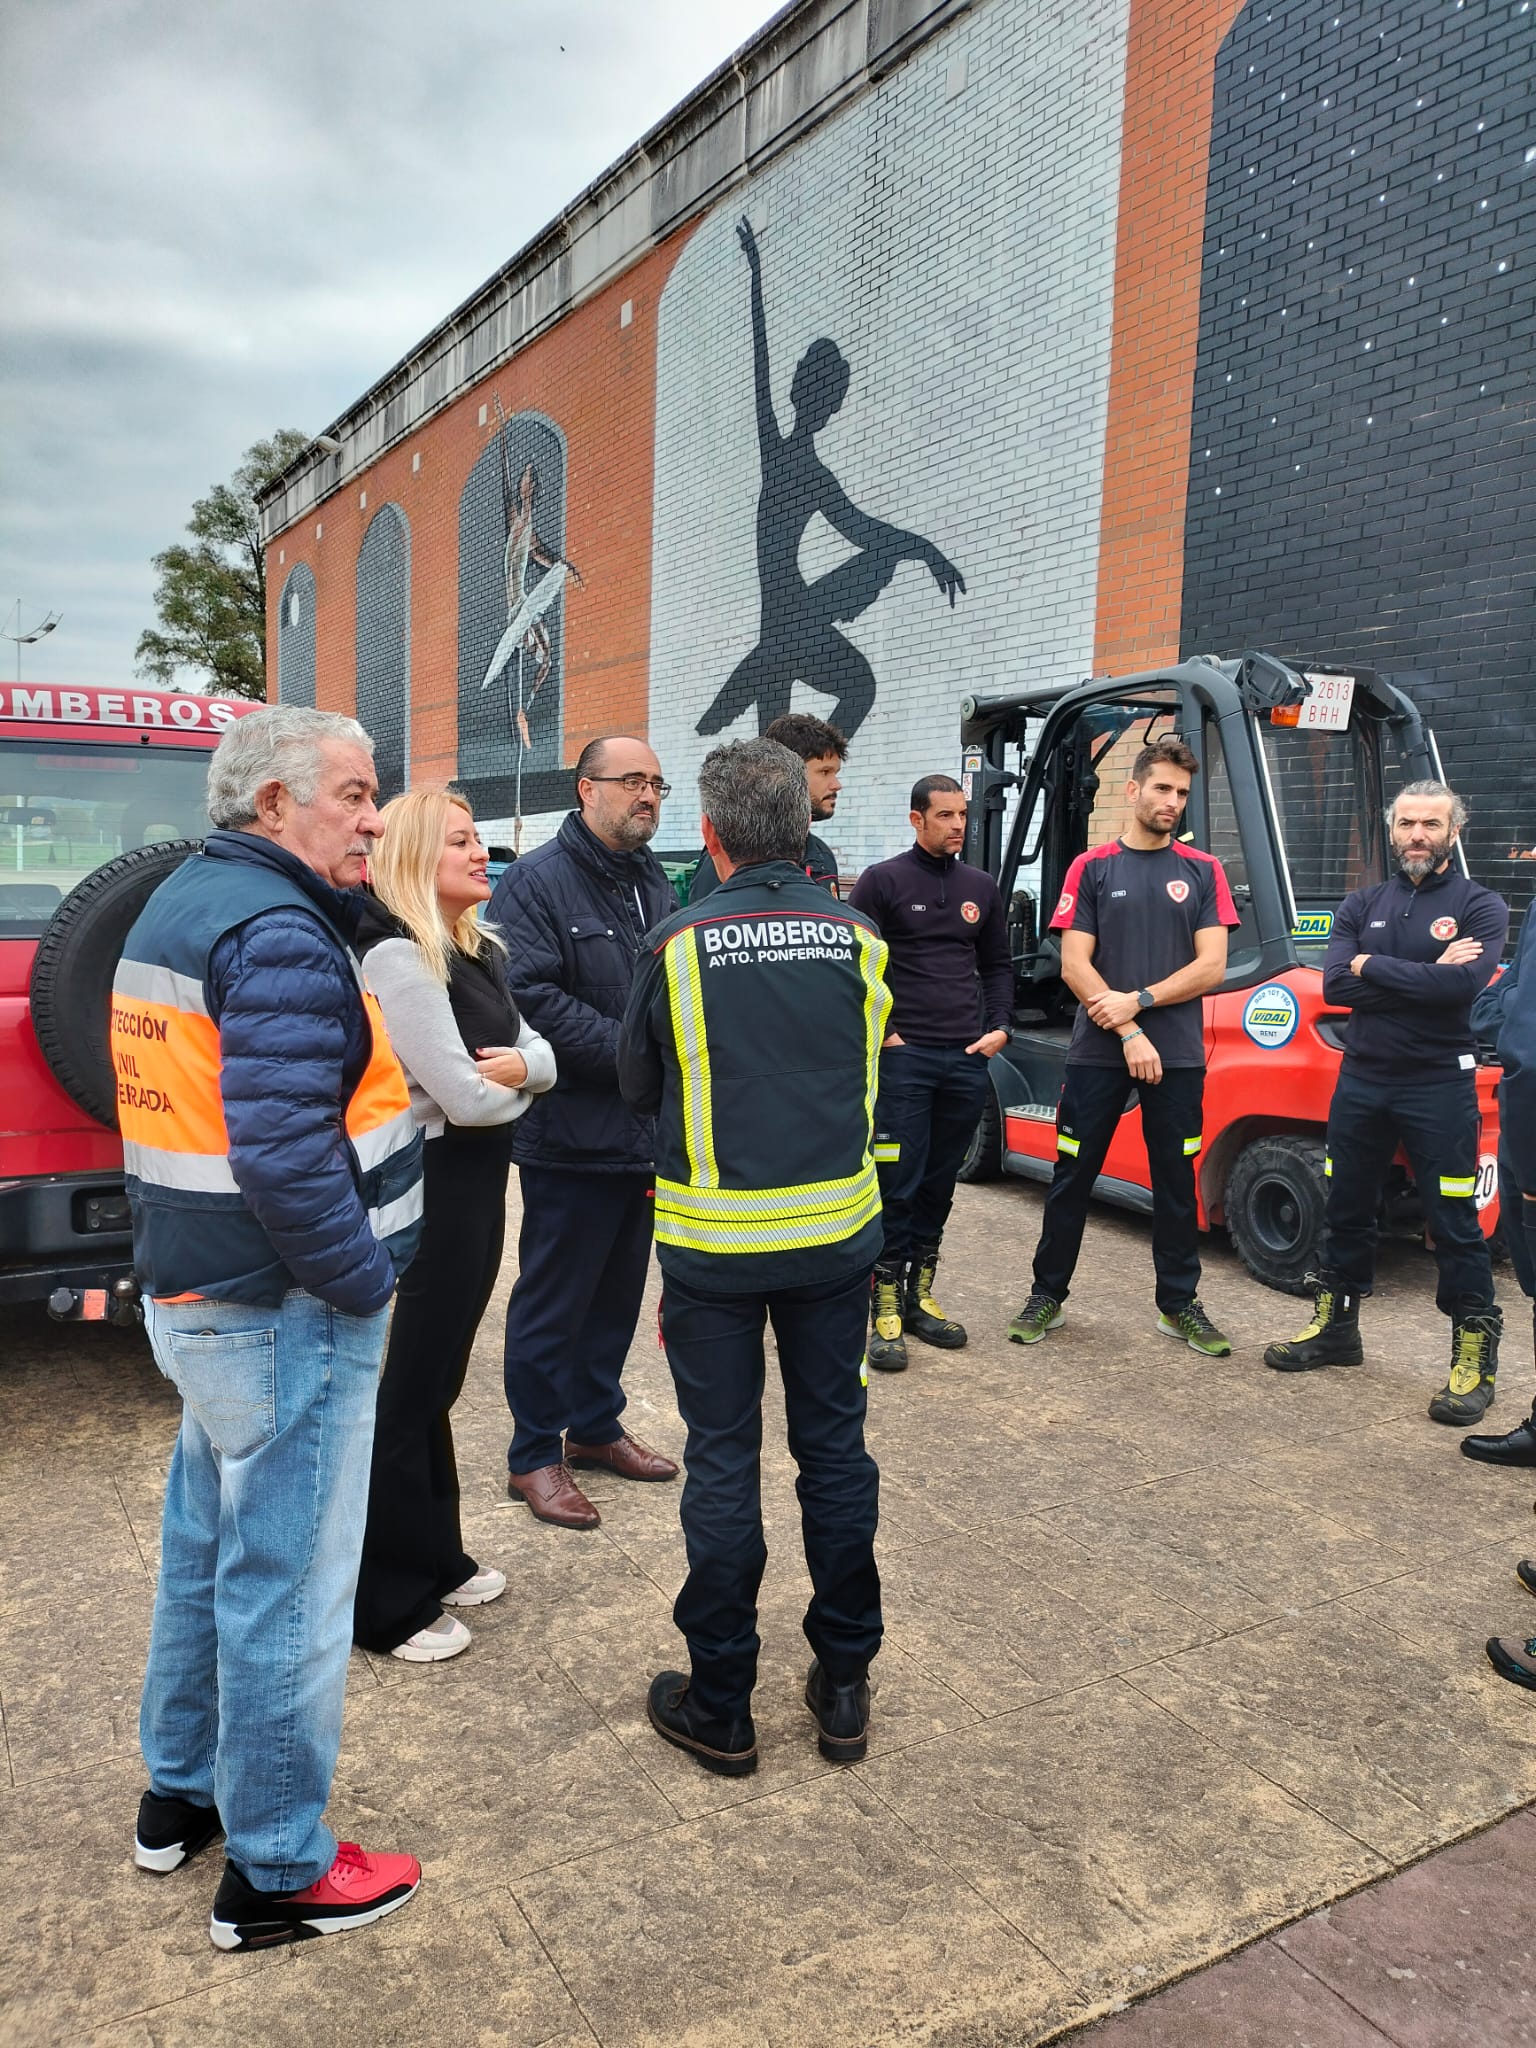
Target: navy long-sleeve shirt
[[1412, 1016], [950, 972]]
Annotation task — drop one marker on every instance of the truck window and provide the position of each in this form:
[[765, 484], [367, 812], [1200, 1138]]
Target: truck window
[[65, 810]]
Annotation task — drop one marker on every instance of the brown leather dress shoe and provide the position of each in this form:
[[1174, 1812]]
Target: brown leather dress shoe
[[626, 1456], [553, 1495]]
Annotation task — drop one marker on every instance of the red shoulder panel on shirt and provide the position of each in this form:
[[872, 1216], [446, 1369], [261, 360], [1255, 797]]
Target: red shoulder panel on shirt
[[1071, 888], [1227, 911]]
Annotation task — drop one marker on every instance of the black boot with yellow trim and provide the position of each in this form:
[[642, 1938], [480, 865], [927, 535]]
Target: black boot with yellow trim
[[922, 1317], [1468, 1394], [1333, 1335], [887, 1346]]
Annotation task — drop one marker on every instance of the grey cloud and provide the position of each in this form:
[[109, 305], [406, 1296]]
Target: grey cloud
[[219, 220]]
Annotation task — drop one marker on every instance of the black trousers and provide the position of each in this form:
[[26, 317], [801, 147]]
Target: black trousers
[[930, 1102], [582, 1257], [715, 1349], [1092, 1102], [413, 1551], [1439, 1125]]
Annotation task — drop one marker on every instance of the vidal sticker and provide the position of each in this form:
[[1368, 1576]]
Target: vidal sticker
[[971, 912], [1270, 1016], [1179, 891], [1443, 928]]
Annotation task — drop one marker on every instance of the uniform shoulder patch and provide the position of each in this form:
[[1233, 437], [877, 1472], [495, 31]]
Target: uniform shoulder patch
[[1178, 890], [1443, 928], [971, 912]]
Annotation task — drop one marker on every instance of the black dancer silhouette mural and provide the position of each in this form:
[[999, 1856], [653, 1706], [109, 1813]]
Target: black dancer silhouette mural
[[798, 638]]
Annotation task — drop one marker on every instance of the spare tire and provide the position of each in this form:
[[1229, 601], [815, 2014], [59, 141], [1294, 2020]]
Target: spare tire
[[77, 956]]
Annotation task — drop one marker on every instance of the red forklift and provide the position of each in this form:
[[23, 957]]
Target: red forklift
[[1298, 762]]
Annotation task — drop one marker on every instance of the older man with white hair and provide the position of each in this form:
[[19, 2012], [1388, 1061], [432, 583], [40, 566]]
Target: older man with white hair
[[274, 1173], [1408, 956]]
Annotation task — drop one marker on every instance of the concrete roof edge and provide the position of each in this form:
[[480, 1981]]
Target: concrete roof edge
[[859, 41]]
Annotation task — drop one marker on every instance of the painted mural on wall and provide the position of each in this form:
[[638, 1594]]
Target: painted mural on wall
[[512, 578], [963, 396], [384, 645], [1363, 429], [798, 640], [296, 637]]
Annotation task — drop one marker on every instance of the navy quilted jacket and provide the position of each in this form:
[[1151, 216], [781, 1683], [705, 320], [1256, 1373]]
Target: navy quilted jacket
[[574, 915], [294, 1041]]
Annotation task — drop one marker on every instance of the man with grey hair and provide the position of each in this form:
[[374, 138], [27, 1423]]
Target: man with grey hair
[[753, 1033], [1408, 956], [274, 1173]]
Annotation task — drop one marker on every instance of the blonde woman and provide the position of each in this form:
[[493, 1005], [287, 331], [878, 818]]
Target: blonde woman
[[473, 1066]]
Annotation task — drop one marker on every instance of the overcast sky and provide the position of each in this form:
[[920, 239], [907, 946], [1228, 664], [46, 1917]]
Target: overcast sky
[[218, 219]]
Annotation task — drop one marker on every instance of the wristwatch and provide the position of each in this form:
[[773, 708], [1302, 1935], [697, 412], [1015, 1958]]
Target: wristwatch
[[1145, 1000]]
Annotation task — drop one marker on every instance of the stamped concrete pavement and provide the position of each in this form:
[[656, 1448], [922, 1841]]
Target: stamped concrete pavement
[[1179, 1653]]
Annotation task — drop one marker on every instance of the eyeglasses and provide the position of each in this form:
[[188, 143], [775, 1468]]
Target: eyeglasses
[[633, 784]]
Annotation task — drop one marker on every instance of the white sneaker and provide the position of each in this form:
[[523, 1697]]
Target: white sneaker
[[487, 1584], [442, 1638]]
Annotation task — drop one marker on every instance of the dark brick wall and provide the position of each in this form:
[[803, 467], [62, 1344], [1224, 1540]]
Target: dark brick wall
[[1363, 463]]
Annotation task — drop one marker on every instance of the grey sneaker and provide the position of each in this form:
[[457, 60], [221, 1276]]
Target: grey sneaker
[[1194, 1327], [1038, 1315]]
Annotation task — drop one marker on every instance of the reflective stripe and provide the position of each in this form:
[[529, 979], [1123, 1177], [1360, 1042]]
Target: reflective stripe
[[142, 983], [685, 997], [203, 1173], [873, 954], [750, 1235], [817, 1198], [1327, 1166], [398, 1214], [1452, 1184], [1192, 1145], [885, 1154], [1066, 1144], [374, 1146]]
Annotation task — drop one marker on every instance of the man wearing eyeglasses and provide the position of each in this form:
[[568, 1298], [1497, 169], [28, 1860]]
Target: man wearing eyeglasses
[[574, 914]]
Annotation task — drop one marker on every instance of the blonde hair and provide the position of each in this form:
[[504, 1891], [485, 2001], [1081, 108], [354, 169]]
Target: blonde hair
[[403, 871]]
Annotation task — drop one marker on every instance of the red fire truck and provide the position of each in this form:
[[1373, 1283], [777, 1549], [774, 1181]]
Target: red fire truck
[[101, 796]]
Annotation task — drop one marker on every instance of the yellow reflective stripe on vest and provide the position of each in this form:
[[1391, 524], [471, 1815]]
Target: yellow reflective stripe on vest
[[1192, 1145], [750, 1234], [873, 954], [1066, 1144], [685, 996], [818, 1198], [1454, 1184]]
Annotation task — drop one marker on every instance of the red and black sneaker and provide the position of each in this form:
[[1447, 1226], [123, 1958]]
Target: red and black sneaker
[[357, 1890], [171, 1832]]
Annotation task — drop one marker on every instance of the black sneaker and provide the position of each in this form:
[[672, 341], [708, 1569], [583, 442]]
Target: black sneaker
[[842, 1716], [729, 1748], [358, 1889], [1525, 1572], [1513, 1659], [171, 1832]]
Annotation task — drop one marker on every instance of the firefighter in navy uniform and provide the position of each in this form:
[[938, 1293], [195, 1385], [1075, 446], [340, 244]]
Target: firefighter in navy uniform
[[753, 1034], [1408, 956]]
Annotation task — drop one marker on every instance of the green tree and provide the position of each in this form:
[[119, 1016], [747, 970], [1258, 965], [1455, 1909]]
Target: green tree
[[212, 595]]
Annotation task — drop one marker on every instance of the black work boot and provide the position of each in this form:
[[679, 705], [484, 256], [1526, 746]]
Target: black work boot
[[922, 1314], [887, 1347], [728, 1748], [1468, 1393], [842, 1716], [1331, 1338], [1518, 1447]]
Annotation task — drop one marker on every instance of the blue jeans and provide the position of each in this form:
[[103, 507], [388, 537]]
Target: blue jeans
[[264, 1513]]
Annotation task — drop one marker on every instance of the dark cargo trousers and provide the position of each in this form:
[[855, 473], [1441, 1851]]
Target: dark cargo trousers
[[1439, 1126], [1093, 1100], [930, 1102], [715, 1349]]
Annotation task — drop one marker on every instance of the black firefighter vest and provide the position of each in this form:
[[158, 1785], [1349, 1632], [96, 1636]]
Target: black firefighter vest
[[769, 1012], [192, 1228]]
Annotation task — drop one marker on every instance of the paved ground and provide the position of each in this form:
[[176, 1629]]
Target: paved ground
[[1178, 1652]]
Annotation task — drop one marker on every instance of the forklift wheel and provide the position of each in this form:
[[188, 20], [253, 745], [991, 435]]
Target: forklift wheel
[[1274, 1203], [984, 1157]]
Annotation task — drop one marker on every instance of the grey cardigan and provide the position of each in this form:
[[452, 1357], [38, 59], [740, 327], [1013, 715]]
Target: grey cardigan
[[446, 1086]]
